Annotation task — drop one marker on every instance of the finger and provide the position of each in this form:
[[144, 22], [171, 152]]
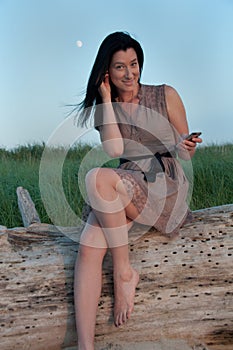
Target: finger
[[197, 140], [194, 140], [189, 143], [102, 85]]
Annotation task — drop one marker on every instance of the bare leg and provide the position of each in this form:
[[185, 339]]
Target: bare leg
[[125, 282], [112, 206], [87, 284]]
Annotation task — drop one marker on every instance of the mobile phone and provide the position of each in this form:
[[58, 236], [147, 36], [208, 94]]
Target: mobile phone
[[193, 135]]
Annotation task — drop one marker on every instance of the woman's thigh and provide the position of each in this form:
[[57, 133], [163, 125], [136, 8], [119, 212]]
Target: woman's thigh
[[100, 180]]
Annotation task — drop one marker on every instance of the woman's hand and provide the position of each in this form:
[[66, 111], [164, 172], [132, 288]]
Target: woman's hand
[[186, 149], [105, 89], [190, 145], [110, 134]]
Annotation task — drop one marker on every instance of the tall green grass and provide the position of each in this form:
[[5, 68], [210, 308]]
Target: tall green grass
[[212, 166], [213, 180]]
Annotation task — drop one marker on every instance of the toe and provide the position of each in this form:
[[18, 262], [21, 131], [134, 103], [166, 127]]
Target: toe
[[118, 320], [129, 312], [124, 316]]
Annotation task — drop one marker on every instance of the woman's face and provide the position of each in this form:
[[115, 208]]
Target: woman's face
[[124, 70]]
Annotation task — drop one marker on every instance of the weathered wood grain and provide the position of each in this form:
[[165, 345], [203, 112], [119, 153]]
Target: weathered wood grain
[[27, 207], [2, 229], [184, 298]]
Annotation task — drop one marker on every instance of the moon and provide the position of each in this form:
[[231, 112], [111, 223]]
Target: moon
[[79, 43]]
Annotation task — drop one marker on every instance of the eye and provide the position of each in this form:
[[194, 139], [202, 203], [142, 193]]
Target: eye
[[119, 66], [134, 64]]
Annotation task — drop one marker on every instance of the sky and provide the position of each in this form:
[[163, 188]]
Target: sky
[[187, 44]]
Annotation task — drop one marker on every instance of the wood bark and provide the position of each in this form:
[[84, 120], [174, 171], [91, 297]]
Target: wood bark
[[183, 300], [2, 229], [27, 207]]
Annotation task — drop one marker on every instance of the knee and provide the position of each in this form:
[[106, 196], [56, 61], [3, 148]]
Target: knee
[[91, 178], [88, 253], [98, 178], [92, 182]]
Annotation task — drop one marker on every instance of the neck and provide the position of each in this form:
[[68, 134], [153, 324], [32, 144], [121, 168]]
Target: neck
[[128, 96]]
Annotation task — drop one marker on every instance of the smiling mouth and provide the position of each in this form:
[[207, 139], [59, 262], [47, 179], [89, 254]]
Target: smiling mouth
[[128, 82]]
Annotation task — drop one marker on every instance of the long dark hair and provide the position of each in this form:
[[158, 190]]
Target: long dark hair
[[112, 43]]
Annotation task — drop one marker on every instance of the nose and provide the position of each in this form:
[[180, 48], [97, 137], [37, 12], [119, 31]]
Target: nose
[[128, 73]]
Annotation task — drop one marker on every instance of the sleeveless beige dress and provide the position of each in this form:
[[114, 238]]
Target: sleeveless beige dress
[[145, 128]]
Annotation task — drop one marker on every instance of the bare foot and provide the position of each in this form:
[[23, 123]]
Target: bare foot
[[124, 290]]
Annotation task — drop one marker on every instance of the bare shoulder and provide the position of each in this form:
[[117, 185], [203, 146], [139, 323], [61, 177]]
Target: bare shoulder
[[173, 99], [176, 109], [171, 94]]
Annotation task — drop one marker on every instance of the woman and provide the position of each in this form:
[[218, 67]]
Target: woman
[[144, 126]]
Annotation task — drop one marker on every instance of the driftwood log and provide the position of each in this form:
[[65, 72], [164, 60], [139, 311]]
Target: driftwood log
[[27, 207], [184, 299]]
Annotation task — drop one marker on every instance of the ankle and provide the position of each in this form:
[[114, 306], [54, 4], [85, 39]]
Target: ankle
[[125, 274], [86, 347]]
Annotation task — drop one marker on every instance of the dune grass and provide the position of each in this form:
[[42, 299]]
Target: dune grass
[[212, 166], [213, 181]]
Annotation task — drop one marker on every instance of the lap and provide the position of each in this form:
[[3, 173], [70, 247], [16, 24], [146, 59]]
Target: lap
[[108, 176]]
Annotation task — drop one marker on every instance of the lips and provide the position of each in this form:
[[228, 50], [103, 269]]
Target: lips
[[128, 82]]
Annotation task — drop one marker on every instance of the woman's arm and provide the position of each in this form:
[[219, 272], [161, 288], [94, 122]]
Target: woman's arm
[[177, 117], [110, 134]]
